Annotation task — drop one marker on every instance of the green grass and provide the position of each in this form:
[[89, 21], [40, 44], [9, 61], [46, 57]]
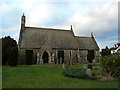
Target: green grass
[[46, 77]]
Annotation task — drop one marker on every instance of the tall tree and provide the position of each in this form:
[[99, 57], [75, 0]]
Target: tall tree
[[7, 52]]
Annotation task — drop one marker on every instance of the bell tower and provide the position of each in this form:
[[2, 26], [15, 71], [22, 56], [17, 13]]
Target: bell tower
[[92, 34], [71, 27], [23, 22], [21, 30]]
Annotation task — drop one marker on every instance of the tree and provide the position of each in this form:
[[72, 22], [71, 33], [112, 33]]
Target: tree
[[106, 52], [8, 47], [13, 56], [111, 65]]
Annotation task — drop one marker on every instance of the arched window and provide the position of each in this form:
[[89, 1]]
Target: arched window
[[70, 53]]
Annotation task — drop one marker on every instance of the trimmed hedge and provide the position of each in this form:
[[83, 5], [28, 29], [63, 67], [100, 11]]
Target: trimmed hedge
[[77, 73]]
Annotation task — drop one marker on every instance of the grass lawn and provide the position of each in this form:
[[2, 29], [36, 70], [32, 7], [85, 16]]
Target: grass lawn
[[49, 76]]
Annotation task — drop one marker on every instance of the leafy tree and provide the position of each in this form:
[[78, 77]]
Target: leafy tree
[[13, 56], [111, 65], [106, 52], [7, 52]]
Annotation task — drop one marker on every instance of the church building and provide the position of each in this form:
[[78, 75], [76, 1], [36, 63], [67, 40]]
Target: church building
[[55, 46]]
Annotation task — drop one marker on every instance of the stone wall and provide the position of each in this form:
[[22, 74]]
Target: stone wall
[[74, 56], [83, 55], [53, 56], [97, 55], [66, 56], [70, 59], [21, 57]]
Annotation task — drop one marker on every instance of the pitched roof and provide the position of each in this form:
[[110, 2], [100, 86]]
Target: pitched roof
[[88, 43], [33, 37]]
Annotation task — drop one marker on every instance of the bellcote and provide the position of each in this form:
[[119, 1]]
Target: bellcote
[[23, 19], [71, 28], [92, 34], [23, 23]]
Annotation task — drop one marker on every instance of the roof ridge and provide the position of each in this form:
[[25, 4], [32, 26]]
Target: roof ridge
[[48, 28], [82, 37]]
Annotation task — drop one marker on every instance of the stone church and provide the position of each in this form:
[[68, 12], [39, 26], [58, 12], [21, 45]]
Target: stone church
[[55, 46]]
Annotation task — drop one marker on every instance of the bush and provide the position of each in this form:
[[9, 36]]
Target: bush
[[111, 65], [77, 73]]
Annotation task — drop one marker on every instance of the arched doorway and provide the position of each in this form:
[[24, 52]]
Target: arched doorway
[[45, 57]]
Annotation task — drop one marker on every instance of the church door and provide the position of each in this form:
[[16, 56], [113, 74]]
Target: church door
[[29, 57], [45, 57]]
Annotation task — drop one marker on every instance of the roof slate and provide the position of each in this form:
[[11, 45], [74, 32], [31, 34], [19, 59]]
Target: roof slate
[[34, 37], [87, 43]]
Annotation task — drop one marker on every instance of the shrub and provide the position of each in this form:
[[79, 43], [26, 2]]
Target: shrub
[[77, 73], [111, 65]]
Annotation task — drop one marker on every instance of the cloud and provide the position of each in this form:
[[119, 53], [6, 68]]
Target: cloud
[[36, 12], [13, 32], [96, 18], [110, 43], [39, 14]]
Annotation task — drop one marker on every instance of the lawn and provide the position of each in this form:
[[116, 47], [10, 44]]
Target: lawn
[[47, 76]]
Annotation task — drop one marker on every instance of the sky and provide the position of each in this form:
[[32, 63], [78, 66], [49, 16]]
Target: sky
[[86, 16]]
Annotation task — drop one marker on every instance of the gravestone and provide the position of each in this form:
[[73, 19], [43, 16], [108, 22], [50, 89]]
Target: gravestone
[[84, 66], [89, 72], [93, 62], [63, 66]]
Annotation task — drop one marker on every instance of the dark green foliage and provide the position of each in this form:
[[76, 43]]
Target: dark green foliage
[[103, 52], [7, 44], [29, 57], [77, 73], [67, 67], [106, 52], [111, 65], [13, 56]]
